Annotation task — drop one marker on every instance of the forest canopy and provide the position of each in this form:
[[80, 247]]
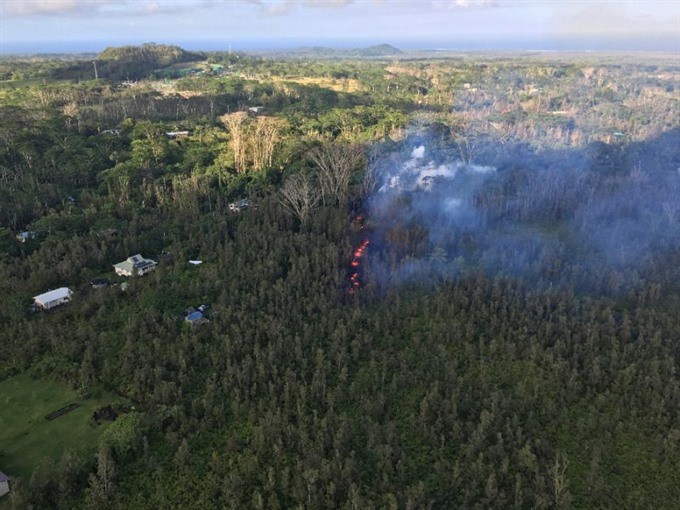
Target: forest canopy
[[421, 283]]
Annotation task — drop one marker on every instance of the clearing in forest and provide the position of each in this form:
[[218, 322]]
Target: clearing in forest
[[336, 84], [26, 436]]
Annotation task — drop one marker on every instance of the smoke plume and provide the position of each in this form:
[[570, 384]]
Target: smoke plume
[[594, 219]]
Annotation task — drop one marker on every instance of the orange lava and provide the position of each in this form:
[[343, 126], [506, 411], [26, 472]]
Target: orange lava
[[357, 254]]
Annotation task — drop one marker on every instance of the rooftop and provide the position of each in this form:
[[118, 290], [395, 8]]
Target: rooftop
[[53, 295], [135, 262], [194, 316]]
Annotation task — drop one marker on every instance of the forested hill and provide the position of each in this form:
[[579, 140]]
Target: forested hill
[[378, 51], [130, 62], [158, 55]]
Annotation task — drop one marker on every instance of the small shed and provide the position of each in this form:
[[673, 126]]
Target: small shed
[[195, 317], [53, 298], [240, 205], [4, 484], [24, 236]]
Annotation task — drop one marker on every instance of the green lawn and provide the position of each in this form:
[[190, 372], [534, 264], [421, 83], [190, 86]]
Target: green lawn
[[26, 437]]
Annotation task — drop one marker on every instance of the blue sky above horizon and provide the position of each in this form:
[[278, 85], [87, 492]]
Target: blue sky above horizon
[[91, 25]]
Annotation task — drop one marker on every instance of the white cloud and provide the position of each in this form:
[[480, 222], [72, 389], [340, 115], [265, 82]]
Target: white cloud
[[326, 3], [277, 7], [617, 17], [50, 7], [465, 4], [87, 8]]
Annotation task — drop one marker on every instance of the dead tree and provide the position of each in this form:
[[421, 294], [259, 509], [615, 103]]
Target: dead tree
[[558, 473], [467, 148], [373, 173], [336, 164], [235, 124], [299, 195], [266, 135]]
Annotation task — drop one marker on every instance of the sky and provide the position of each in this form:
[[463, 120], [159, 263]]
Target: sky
[[91, 25]]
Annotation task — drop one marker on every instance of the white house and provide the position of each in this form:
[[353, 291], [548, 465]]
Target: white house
[[135, 265], [53, 298], [4, 484]]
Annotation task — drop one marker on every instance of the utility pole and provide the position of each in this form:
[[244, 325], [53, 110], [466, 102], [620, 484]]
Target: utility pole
[[96, 76]]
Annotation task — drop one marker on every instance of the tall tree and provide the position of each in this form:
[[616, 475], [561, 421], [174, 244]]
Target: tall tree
[[236, 125], [300, 195], [102, 486], [266, 135], [337, 164]]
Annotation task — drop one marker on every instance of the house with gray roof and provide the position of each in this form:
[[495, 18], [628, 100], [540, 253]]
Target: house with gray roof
[[53, 298]]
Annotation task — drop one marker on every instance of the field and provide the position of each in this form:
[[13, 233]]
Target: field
[[26, 436], [336, 84]]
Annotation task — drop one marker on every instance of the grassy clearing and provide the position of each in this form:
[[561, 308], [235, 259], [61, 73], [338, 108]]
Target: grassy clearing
[[338, 85], [26, 437]]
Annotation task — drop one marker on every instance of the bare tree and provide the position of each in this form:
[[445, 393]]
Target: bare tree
[[559, 481], [373, 173], [467, 148], [299, 195], [235, 124], [265, 137], [671, 210], [71, 111], [336, 164]]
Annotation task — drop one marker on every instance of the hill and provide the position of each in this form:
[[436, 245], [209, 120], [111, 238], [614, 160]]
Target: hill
[[380, 50], [157, 55], [134, 62], [128, 62]]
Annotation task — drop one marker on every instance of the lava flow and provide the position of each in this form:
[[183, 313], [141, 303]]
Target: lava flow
[[355, 264]]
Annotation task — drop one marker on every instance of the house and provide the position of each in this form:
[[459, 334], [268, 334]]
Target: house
[[238, 206], [4, 484], [99, 283], [24, 236], [176, 134], [196, 317], [53, 298], [255, 109], [135, 266]]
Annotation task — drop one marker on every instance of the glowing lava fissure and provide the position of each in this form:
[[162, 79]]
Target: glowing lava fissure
[[355, 266]]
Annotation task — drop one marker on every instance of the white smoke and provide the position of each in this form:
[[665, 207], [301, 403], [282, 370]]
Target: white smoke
[[418, 152], [421, 174]]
